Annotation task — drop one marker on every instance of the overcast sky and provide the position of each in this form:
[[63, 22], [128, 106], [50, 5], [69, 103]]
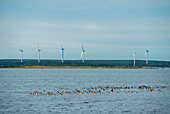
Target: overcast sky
[[109, 29]]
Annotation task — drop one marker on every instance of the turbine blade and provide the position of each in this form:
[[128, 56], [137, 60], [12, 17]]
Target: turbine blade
[[36, 53], [82, 54]]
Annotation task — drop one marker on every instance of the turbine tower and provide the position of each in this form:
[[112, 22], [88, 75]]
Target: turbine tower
[[82, 53], [62, 54], [146, 53], [38, 51], [134, 57], [21, 52]]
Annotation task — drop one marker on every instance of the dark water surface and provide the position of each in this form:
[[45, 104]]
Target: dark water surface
[[15, 84]]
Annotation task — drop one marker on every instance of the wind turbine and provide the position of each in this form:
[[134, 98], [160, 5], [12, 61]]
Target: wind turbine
[[146, 53], [82, 53], [21, 52], [134, 57], [62, 54], [38, 51]]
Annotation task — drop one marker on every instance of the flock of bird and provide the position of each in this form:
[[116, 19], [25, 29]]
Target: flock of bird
[[105, 89]]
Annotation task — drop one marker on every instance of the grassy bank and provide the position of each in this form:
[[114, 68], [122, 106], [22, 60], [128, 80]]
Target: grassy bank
[[75, 67], [88, 64]]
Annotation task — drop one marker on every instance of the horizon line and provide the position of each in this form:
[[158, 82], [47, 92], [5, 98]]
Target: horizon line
[[123, 59]]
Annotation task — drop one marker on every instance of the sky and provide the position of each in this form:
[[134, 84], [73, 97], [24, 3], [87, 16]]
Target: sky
[[108, 29]]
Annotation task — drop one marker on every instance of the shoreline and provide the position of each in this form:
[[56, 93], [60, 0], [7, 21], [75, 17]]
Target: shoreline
[[75, 67]]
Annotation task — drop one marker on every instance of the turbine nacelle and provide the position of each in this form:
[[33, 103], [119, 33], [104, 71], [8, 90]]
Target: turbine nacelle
[[62, 54], [82, 50], [146, 51], [62, 49], [21, 50], [38, 52], [38, 49], [82, 53]]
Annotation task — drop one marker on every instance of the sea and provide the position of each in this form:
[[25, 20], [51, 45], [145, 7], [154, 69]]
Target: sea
[[34, 91]]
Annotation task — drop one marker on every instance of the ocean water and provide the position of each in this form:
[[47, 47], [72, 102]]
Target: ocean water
[[16, 84]]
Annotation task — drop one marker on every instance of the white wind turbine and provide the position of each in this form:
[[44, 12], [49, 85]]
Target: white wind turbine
[[134, 57], [82, 53], [62, 54], [38, 52], [146, 53], [21, 52]]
